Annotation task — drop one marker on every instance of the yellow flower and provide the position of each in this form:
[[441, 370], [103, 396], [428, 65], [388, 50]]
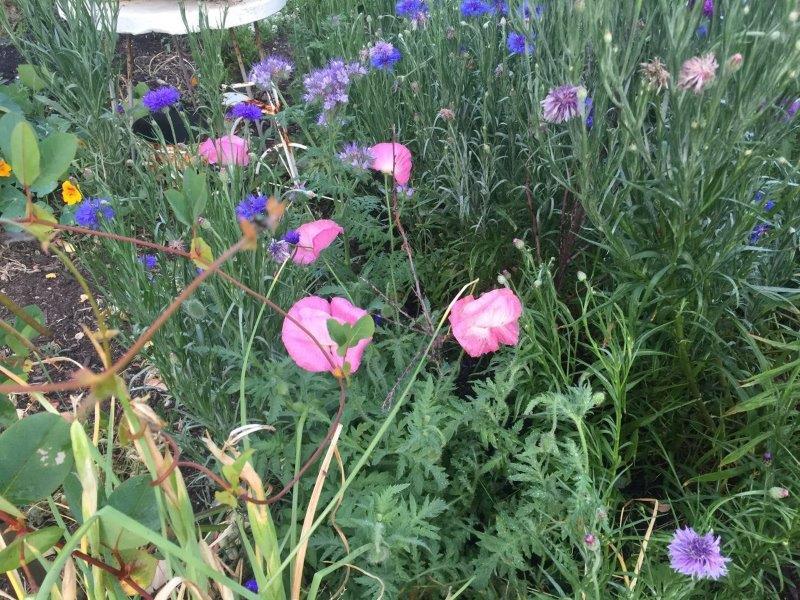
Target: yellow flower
[[70, 193], [5, 168]]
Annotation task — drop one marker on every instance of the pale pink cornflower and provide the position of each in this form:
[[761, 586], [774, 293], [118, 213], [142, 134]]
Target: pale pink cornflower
[[562, 103], [698, 72]]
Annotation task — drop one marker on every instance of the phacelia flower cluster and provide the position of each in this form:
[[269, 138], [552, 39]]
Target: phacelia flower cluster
[[329, 85], [271, 70], [357, 156]]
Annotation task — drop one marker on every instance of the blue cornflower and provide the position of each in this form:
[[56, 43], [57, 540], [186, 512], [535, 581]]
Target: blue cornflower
[[474, 8], [384, 55], [161, 98], [416, 10], [519, 44], [501, 7], [758, 196], [589, 110], [148, 261], [292, 237], [702, 31], [769, 205], [377, 319], [245, 111], [251, 206], [252, 585], [758, 232], [92, 211]]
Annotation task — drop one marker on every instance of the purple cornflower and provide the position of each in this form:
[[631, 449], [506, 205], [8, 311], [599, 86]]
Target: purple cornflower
[[357, 156], [251, 206], [562, 103], [271, 70], [697, 555], [245, 111], [329, 85], [791, 110], [404, 190], [501, 7], [416, 10], [518, 43], [92, 211], [148, 261], [161, 98], [252, 585], [589, 112], [474, 8], [767, 458], [758, 232], [280, 250], [708, 8], [384, 55], [292, 237]]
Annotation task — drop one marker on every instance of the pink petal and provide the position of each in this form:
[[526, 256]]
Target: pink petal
[[392, 158], [208, 151], [481, 326], [314, 238], [313, 313]]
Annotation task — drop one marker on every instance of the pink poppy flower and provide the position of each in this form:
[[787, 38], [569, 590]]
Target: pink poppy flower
[[314, 238], [227, 150], [313, 313], [481, 325], [392, 158]]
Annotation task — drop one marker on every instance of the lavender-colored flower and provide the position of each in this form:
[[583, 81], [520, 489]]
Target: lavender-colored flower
[[589, 112], [767, 458], [518, 43], [357, 156], [698, 72], [501, 7], [252, 585], [384, 55], [271, 70], [161, 98], [148, 261], [329, 85], [697, 555], [280, 250], [708, 8], [562, 103], [404, 190], [758, 232], [251, 206], [292, 237], [474, 8], [92, 211], [416, 10], [792, 110], [243, 110]]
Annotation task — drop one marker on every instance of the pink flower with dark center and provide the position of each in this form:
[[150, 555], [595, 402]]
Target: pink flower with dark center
[[314, 238], [227, 150], [698, 72], [393, 159], [313, 314], [562, 103], [481, 325]]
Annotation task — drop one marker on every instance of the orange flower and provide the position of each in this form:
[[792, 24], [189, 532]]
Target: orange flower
[[5, 168], [70, 193]]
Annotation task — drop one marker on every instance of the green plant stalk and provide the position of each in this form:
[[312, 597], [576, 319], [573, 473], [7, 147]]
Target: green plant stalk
[[377, 437], [391, 235]]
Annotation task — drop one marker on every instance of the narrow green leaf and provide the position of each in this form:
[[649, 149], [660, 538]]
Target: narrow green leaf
[[25, 549], [25, 156], [746, 449]]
